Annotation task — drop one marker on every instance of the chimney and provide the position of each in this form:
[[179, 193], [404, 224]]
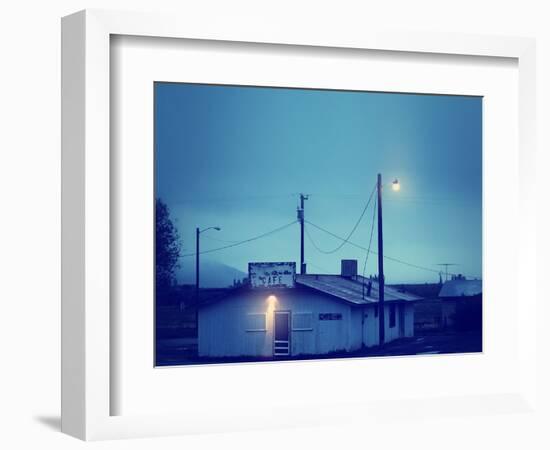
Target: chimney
[[349, 268]]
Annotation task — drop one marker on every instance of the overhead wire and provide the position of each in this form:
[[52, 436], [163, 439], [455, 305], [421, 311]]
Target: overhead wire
[[350, 234], [245, 241], [343, 240], [400, 261]]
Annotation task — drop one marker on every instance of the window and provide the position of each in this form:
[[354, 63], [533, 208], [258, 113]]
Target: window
[[255, 322], [302, 321], [330, 316], [392, 315]]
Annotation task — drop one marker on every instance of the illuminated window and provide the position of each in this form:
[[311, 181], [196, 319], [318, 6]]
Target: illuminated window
[[255, 322]]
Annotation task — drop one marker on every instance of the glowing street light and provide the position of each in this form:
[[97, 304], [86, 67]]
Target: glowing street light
[[395, 185]]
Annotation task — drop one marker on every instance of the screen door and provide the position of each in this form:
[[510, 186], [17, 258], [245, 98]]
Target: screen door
[[281, 336]]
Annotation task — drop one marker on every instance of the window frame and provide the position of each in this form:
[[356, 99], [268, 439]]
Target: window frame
[[255, 330], [293, 328]]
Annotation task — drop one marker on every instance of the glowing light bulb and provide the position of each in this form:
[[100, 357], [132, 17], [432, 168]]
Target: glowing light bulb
[[395, 185]]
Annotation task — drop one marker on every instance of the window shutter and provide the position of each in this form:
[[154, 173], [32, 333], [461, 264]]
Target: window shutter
[[255, 322], [302, 321]]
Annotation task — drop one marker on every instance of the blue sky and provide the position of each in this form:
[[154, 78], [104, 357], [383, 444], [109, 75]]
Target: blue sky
[[237, 157]]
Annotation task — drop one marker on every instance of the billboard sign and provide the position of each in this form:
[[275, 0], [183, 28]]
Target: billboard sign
[[272, 274]]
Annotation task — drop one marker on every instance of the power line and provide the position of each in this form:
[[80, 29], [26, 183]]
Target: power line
[[353, 244], [313, 242], [368, 250], [328, 252], [411, 264], [276, 230]]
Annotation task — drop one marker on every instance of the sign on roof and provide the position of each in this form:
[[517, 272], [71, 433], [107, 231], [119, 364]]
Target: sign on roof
[[272, 274]]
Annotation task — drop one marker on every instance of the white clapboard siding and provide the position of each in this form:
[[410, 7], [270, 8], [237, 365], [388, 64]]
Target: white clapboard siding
[[241, 325]]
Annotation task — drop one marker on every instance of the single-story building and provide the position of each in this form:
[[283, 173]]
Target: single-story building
[[427, 311], [461, 304], [280, 313], [455, 305]]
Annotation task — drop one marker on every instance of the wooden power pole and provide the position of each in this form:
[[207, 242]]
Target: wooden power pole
[[301, 219], [381, 321]]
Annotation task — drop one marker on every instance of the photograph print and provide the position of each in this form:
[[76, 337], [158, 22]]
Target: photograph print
[[299, 223]]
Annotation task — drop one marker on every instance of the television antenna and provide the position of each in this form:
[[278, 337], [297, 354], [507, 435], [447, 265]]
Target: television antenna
[[446, 265]]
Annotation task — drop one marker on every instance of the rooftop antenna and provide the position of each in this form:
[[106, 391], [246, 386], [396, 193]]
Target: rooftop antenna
[[446, 265]]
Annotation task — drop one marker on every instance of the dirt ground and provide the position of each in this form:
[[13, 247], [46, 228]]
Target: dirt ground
[[175, 352]]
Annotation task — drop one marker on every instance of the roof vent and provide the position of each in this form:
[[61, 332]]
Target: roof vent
[[349, 268]]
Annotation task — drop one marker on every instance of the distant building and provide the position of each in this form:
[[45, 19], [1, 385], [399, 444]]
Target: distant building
[[461, 304], [279, 313], [457, 306], [460, 287]]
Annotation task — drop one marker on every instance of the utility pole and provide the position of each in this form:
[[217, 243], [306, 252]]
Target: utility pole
[[197, 254], [197, 238], [301, 220], [197, 277], [198, 232], [381, 322]]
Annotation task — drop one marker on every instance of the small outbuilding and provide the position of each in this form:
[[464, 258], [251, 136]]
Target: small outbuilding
[[461, 304], [282, 314]]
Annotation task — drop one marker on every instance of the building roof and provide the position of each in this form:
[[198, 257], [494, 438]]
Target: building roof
[[461, 288], [342, 288], [351, 289]]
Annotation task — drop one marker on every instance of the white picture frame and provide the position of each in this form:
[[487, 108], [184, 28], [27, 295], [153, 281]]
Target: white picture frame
[[86, 217]]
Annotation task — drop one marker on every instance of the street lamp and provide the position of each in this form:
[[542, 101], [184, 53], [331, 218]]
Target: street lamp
[[381, 322], [197, 252], [395, 185]]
